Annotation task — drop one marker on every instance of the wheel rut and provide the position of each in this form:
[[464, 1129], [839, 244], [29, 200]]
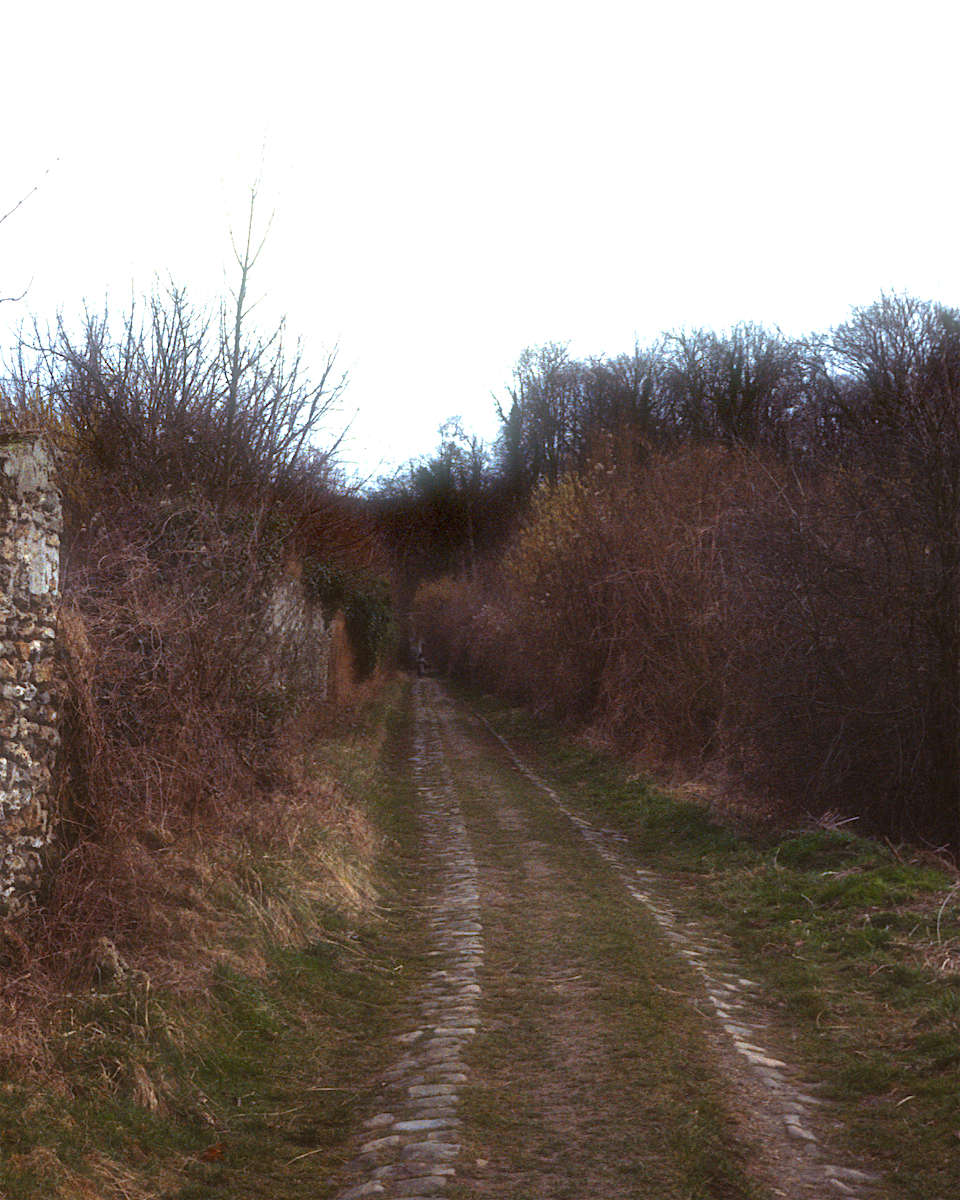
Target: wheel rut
[[577, 1035]]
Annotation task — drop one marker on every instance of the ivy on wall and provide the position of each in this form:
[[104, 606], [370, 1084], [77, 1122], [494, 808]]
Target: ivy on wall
[[365, 604]]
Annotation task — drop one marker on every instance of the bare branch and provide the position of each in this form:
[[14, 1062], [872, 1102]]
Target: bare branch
[[21, 201]]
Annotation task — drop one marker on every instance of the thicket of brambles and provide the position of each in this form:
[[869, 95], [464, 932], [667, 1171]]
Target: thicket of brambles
[[186, 447], [736, 550]]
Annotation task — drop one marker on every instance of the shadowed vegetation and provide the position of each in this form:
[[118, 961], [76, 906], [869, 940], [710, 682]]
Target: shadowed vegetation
[[736, 552]]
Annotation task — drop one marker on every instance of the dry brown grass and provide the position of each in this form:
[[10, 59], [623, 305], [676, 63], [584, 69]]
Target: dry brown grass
[[223, 899]]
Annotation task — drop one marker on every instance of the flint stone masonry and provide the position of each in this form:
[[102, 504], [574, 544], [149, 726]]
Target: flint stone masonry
[[295, 656], [30, 528]]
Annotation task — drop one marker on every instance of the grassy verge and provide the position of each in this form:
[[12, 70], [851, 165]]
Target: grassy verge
[[857, 945], [246, 1081]]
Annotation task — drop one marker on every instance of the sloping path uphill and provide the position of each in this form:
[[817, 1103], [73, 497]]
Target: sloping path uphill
[[577, 1036]]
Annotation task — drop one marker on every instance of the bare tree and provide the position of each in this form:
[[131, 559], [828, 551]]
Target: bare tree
[[271, 408], [738, 387], [167, 395], [538, 429], [895, 387]]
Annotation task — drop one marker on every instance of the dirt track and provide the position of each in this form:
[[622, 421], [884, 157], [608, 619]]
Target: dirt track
[[578, 1036]]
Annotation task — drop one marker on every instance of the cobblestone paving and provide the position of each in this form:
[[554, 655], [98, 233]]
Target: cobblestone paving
[[726, 991], [414, 1146]]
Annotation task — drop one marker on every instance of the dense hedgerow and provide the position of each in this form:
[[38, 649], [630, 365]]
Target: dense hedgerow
[[191, 489], [716, 607], [740, 550]]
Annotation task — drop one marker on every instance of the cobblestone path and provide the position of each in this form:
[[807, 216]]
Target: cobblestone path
[[577, 1035]]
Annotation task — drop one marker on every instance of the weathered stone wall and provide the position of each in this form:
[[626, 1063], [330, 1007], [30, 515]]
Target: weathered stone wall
[[30, 528], [298, 641], [295, 657]]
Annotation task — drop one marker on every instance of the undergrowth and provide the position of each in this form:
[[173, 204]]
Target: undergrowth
[[238, 1071], [202, 845]]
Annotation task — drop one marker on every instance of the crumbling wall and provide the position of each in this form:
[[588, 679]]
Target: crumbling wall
[[298, 645], [30, 529]]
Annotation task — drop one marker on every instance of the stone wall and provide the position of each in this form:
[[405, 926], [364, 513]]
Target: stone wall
[[30, 527], [294, 656], [298, 640]]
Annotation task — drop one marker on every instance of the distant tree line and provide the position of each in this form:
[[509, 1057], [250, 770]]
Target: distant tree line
[[848, 395], [736, 546]]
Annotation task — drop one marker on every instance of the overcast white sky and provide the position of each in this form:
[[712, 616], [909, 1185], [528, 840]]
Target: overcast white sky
[[455, 181]]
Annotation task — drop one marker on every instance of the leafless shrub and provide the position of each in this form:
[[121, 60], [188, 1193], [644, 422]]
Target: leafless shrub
[[779, 592], [829, 701], [164, 731], [153, 397], [177, 745], [605, 609]]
